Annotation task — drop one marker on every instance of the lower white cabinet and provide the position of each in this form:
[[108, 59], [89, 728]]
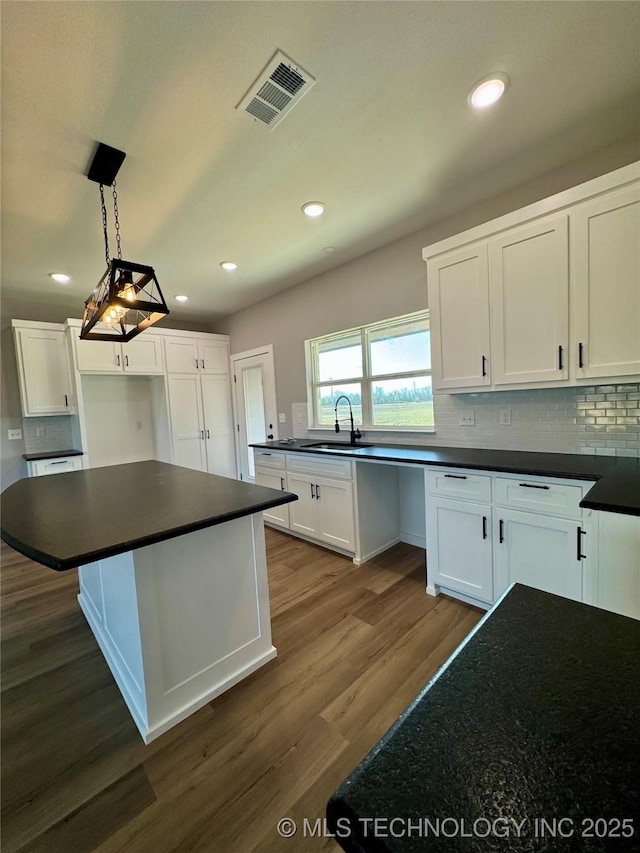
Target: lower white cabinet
[[277, 515], [324, 509], [42, 467]]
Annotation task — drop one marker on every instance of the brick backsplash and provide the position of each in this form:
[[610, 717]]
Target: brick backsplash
[[58, 434], [598, 419]]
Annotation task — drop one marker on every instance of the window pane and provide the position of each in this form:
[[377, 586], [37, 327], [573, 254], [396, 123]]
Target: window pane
[[402, 402], [399, 347], [339, 358], [326, 402]]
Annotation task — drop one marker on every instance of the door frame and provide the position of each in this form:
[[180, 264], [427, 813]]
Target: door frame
[[270, 395]]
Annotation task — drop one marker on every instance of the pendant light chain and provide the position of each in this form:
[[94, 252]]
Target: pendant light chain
[[117, 221], [104, 225]]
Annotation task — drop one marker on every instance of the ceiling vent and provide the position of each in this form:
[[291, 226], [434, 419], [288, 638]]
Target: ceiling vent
[[277, 89]]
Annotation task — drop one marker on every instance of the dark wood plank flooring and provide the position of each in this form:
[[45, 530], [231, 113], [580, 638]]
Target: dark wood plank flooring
[[355, 645]]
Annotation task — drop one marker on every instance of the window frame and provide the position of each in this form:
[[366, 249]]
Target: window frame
[[366, 380]]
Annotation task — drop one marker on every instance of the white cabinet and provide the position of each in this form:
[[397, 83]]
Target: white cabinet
[[303, 513], [606, 285], [140, 356], [196, 355], [324, 509], [43, 467], [270, 467], [44, 372], [459, 318], [202, 423], [529, 295]]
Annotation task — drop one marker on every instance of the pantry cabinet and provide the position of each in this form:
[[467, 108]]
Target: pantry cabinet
[[44, 370]]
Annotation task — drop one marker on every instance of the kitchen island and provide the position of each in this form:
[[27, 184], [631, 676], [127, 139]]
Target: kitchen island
[[172, 571], [526, 740]]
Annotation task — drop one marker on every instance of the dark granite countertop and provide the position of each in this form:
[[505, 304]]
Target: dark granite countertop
[[535, 716], [51, 454], [618, 479], [69, 519]]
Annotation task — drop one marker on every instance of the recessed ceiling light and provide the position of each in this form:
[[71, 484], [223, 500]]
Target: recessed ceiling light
[[182, 298], [60, 277], [229, 265], [488, 90], [329, 249], [313, 208]]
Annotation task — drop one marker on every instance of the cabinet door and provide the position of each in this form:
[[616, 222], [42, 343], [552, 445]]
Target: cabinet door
[[606, 285], [44, 374], [181, 355], [538, 550], [303, 513], [218, 425], [334, 500], [214, 356], [187, 429], [459, 556], [459, 318], [143, 355], [99, 356], [529, 285], [278, 515]]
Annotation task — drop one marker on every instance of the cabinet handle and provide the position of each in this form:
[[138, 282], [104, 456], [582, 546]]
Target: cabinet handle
[[560, 358], [532, 486], [118, 359], [66, 401], [501, 531], [456, 476], [197, 365], [208, 434], [484, 365], [126, 361], [202, 434], [282, 484], [484, 526], [580, 354], [265, 454], [312, 492], [580, 534], [203, 363], [317, 492], [62, 462]]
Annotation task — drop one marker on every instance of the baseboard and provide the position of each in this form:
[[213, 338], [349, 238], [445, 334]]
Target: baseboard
[[414, 539], [364, 558]]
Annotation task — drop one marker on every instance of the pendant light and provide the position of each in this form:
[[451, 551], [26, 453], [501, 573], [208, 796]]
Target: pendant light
[[127, 299]]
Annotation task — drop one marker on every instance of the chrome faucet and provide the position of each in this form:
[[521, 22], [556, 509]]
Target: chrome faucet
[[355, 433]]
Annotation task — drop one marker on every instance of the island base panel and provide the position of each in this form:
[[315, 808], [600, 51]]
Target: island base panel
[[181, 621]]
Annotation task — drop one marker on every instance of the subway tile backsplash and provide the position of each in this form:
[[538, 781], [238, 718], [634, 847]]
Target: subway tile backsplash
[[48, 433], [598, 419]]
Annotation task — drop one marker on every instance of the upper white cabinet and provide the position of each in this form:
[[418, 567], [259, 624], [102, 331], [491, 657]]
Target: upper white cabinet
[[549, 294], [142, 356], [459, 318], [606, 285], [193, 355], [44, 371]]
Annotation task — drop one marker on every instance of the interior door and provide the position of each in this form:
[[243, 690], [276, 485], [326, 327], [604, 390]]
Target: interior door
[[255, 405]]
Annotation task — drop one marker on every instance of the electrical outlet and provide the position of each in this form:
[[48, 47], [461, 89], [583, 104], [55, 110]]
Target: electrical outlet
[[14, 434], [299, 418], [41, 432], [467, 418], [505, 417], [282, 418]]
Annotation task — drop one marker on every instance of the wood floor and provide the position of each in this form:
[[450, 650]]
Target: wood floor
[[355, 644]]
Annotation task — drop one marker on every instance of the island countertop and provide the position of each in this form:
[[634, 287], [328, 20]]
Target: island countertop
[[534, 717], [67, 520]]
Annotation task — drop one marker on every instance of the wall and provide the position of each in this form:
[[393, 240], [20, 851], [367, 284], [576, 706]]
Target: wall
[[392, 281]]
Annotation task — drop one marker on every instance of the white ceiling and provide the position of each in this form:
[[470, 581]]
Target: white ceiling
[[385, 138]]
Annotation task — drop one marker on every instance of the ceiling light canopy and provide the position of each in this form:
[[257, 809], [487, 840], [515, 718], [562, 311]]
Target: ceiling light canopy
[[229, 265], [60, 277], [127, 299], [313, 209], [488, 90]]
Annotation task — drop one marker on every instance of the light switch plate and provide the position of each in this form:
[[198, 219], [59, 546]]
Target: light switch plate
[[467, 418], [282, 418]]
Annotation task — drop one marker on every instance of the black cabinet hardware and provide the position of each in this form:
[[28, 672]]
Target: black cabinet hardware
[[208, 434], [501, 531], [118, 360], [126, 361], [484, 365], [317, 492], [270, 436], [265, 454], [282, 484], [533, 486], [202, 434], [62, 462], [456, 476], [580, 354], [484, 526], [312, 492], [559, 358], [66, 401], [580, 534], [197, 365]]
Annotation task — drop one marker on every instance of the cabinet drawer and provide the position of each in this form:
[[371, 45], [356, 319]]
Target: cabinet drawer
[[539, 495], [460, 484], [319, 467], [269, 459], [42, 467]]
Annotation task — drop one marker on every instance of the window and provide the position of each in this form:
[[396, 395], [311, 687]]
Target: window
[[384, 369]]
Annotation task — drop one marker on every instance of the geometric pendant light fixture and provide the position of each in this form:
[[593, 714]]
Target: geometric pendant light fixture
[[127, 299]]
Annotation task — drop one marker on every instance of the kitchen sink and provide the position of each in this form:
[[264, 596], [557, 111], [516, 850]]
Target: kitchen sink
[[337, 445]]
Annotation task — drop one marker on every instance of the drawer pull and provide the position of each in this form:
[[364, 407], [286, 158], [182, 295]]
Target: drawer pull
[[62, 462], [533, 486], [265, 454], [579, 554], [484, 526], [456, 476], [501, 531]]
